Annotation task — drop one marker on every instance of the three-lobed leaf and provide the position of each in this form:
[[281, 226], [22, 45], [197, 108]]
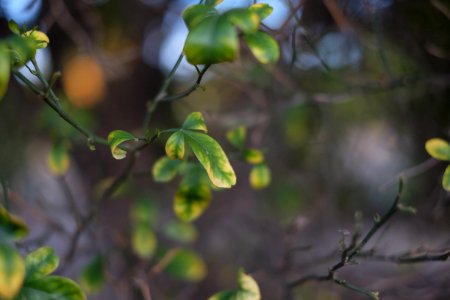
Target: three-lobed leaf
[[263, 47], [41, 262], [115, 139], [438, 148], [12, 271]]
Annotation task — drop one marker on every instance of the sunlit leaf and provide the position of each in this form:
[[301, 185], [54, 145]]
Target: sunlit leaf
[[12, 225], [165, 169], [187, 265], [40, 38], [246, 20], [438, 149], [213, 2], [175, 146], [237, 136], [143, 212], [262, 9], [181, 231], [40, 262], [212, 158], [446, 179], [143, 241], [51, 287], [191, 200], [213, 40], [247, 290], [260, 176], [92, 276], [194, 14], [195, 121], [5, 69], [263, 47], [115, 139], [12, 271], [253, 156], [58, 159]]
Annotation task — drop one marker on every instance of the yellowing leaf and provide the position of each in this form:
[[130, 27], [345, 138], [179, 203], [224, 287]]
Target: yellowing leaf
[[260, 177], [237, 136], [12, 271], [165, 169], [175, 146], [438, 149], [253, 156], [93, 277], [143, 241], [40, 38], [51, 287], [446, 179], [262, 9], [186, 265], [263, 47], [248, 290], [213, 2], [12, 225], [191, 201], [195, 121], [5, 68], [115, 139], [58, 159], [246, 20], [213, 159], [40, 262], [214, 40]]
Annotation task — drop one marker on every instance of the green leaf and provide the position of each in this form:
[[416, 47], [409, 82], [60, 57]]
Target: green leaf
[[262, 9], [175, 146], [40, 38], [165, 169], [213, 2], [12, 225], [213, 159], [51, 288], [143, 212], [41, 262], [181, 232], [263, 47], [12, 271], [14, 27], [438, 148], [246, 20], [21, 49], [446, 179], [5, 70], [58, 159], [115, 139], [195, 121], [191, 200], [237, 136], [186, 265], [143, 241], [260, 177], [253, 156], [92, 277], [194, 14], [214, 40], [248, 290]]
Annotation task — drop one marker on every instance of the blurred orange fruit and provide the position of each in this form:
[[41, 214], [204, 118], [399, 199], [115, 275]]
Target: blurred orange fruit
[[84, 81]]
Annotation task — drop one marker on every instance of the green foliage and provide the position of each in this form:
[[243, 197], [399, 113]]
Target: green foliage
[[11, 226], [195, 121], [92, 276], [247, 290], [253, 156], [440, 149], [115, 139], [175, 146], [237, 136], [58, 159], [41, 262], [4, 70], [260, 176], [12, 271], [165, 169], [214, 38], [143, 238], [181, 231], [40, 38], [446, 179], [186, 265], [51, 287]]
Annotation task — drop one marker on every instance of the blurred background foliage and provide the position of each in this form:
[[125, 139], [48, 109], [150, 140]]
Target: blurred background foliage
[[360, 86]]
